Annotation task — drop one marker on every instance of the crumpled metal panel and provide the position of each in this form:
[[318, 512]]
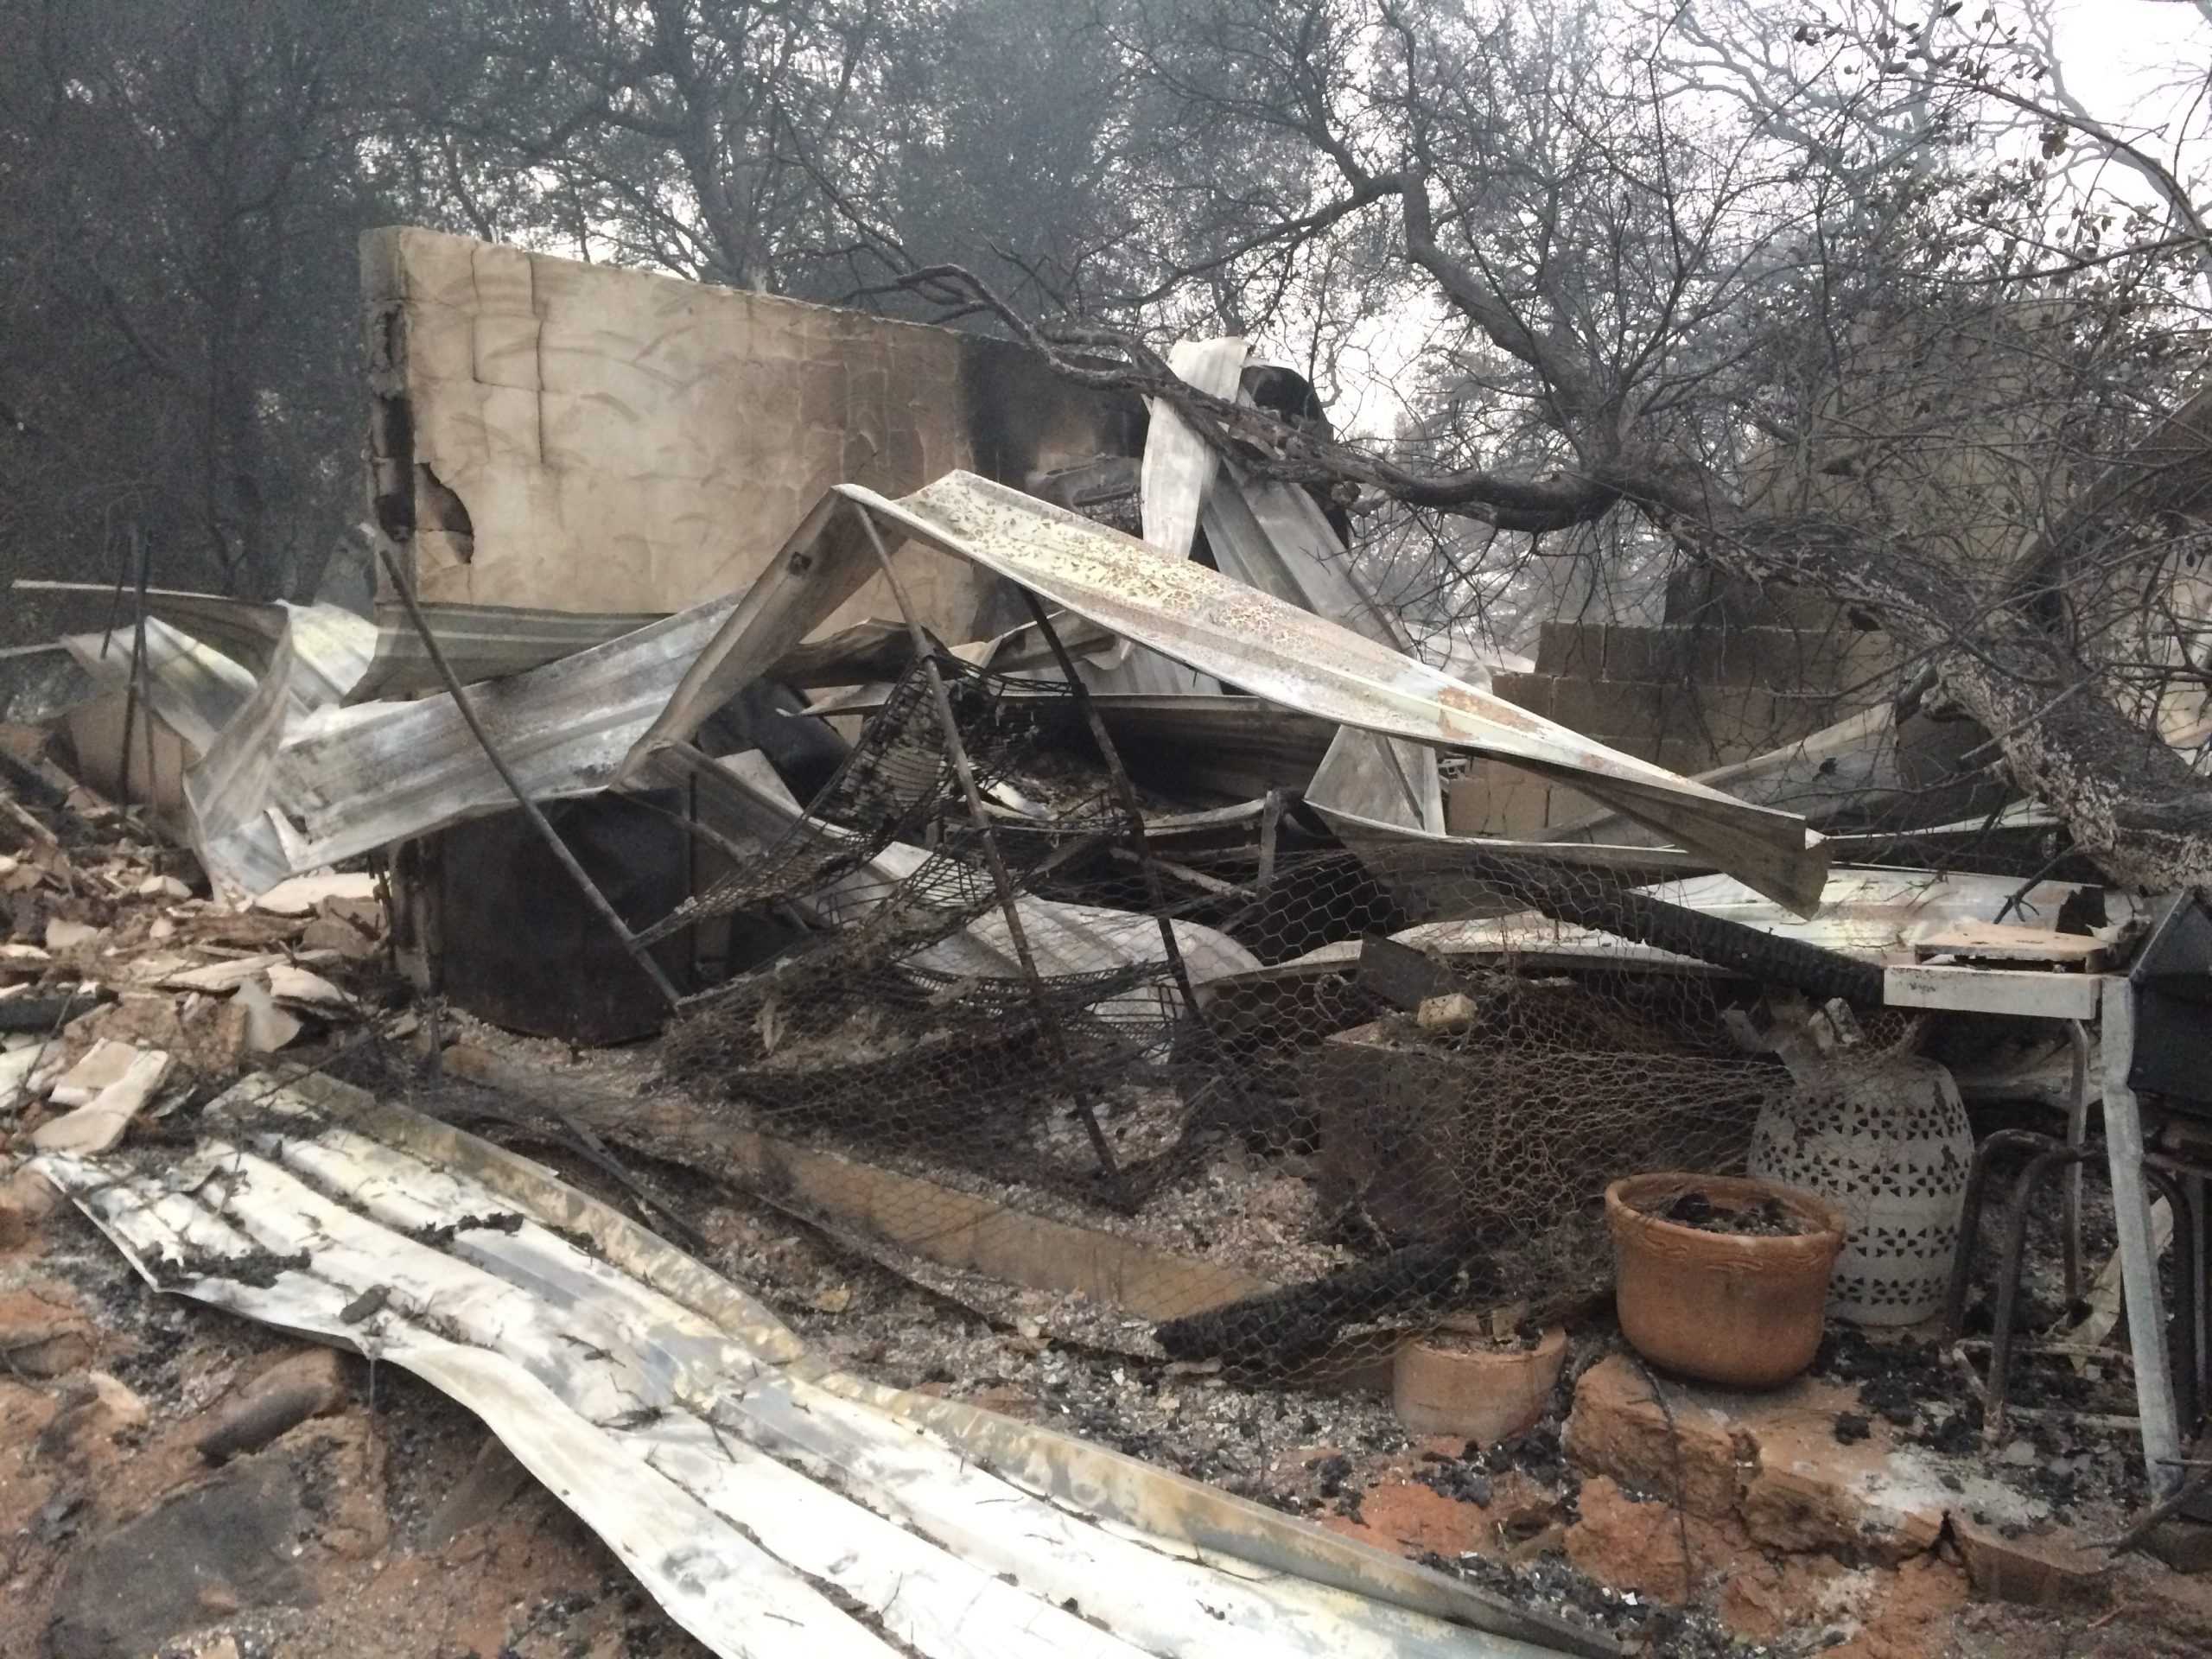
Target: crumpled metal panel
[[283, 788], [481, 642], [226, 793], [772, 1510], [1247, 638], [1178, 471], [365, 777], [190, 685], [332, 645]]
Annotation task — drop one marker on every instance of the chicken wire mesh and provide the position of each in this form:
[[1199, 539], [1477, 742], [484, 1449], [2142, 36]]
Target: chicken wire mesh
[[1200, 1083]]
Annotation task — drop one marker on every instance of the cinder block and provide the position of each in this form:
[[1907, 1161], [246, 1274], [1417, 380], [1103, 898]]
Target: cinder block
[[1496, 799], [1574, 649], [1637, 713], [1530, 691], [1819, 659], [1631, 653], [1661, 656], [1766, 658], [1740, 720], [1688, 655]]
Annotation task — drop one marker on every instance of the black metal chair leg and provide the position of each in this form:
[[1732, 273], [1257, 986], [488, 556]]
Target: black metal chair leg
[[1978, 1179], [2008, 1280]]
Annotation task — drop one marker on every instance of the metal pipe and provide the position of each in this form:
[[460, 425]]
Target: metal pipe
[[1978, 1179]]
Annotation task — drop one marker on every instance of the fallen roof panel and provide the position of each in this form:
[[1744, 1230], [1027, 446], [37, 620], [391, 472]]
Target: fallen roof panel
[[672, 1413], [482, 642], [333, 644], [192, 686], [1253, 640], [227, 792], [365, 776], [1177, 473]]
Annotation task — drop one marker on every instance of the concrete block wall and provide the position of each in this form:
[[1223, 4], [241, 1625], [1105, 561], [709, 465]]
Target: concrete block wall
[[1686, 695]]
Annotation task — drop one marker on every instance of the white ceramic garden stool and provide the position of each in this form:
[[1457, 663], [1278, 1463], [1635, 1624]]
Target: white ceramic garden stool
[[1886, 1141]]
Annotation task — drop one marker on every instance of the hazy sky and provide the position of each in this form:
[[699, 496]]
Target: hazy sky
[[2113, 49], [2140, 65]]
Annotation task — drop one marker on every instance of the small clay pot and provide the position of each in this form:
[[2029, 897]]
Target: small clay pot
[[1742, 1310], [1483, 1394]]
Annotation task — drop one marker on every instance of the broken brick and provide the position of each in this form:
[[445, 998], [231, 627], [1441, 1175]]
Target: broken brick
[[43, 1335], [2036, 1570], [1618, 1427]]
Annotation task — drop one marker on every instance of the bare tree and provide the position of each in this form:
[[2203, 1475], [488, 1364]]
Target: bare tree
[[181, 186], [1831, 341], [675, 133]]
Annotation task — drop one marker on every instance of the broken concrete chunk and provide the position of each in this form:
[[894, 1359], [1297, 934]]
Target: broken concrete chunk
[[26, 959], [95, 1127], [1450, 1013], [69, 936], [203, 1036], [303, 894], [222, 976], [156, 967], [352, 928], [163, 887], [105, 1064], [291, 983], [325, 934], [267, 1028]]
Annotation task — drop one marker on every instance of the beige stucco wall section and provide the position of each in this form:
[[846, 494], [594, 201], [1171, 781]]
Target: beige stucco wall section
[[622, 441]]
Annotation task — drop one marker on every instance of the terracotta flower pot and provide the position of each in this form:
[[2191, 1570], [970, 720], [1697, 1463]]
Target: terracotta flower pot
[[1446, 1384], [1741, 1310]]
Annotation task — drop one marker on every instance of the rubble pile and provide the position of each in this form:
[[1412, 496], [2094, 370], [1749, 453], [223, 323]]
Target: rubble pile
[[126, 994], [983, 1035]]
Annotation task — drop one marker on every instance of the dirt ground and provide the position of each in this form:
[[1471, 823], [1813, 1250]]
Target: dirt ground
[[397, 1527], [357, 1500]]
